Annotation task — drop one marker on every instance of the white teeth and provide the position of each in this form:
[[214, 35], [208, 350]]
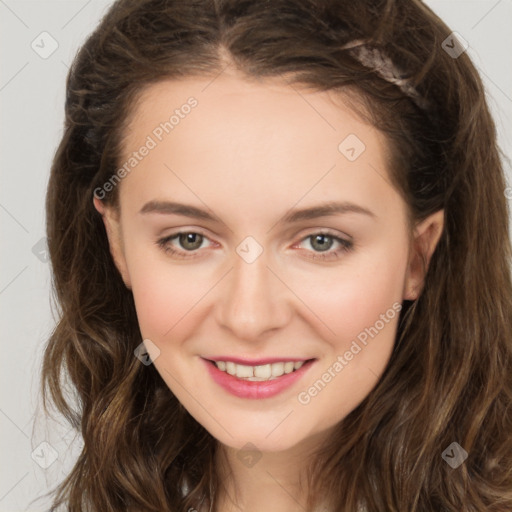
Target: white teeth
[[288, 367], [231, 368], [260, 372], [277, 369], [263, 372], [244, 371]]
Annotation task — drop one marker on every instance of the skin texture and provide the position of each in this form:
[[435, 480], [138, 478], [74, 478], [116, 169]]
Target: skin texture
[[248, 153]]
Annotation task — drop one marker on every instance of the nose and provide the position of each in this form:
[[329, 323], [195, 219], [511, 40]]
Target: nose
[[254, 300]]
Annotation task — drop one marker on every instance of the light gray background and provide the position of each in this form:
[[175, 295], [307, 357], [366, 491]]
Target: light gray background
[[32, 110]]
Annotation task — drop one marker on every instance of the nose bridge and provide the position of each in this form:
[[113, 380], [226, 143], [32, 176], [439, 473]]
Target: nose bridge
[[254, 301]]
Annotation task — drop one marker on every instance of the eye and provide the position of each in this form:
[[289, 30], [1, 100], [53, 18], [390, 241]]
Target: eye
[[190, 241], [322, 242]]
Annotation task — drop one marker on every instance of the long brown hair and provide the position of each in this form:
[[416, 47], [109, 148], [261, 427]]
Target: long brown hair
[[449, 378]]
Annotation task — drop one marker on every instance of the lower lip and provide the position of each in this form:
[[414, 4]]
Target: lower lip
[[256, 390]]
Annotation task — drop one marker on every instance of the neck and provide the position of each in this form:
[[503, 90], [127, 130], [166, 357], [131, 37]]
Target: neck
[[256, 481]]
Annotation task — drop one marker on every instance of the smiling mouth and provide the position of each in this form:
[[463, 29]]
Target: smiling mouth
[[259, 373]]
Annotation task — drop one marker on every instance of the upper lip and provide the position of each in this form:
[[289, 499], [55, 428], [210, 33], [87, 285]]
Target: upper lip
[[257, 362]]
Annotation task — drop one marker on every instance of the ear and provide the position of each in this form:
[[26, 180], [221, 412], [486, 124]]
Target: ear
[[110, 218], [424, 241]]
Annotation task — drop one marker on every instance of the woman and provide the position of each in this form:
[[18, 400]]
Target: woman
[[279, 240]]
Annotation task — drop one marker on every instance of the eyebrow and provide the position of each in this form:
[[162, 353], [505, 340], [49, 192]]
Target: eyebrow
[[293, 215]]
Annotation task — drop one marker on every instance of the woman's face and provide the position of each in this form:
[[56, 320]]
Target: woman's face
[[267, 276]]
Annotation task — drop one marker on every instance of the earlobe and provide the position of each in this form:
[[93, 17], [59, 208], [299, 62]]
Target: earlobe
[[113, 228], [425, 239]]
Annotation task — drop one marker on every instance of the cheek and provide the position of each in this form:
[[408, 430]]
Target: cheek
[[165, 292], [165, 296], [354, 297], [362, 306]]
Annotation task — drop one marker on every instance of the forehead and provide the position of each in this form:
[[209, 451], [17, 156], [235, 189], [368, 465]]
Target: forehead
[[228, 99], [254, 138]]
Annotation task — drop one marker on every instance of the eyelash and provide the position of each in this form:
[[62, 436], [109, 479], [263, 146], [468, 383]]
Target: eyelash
[[345, 245]]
